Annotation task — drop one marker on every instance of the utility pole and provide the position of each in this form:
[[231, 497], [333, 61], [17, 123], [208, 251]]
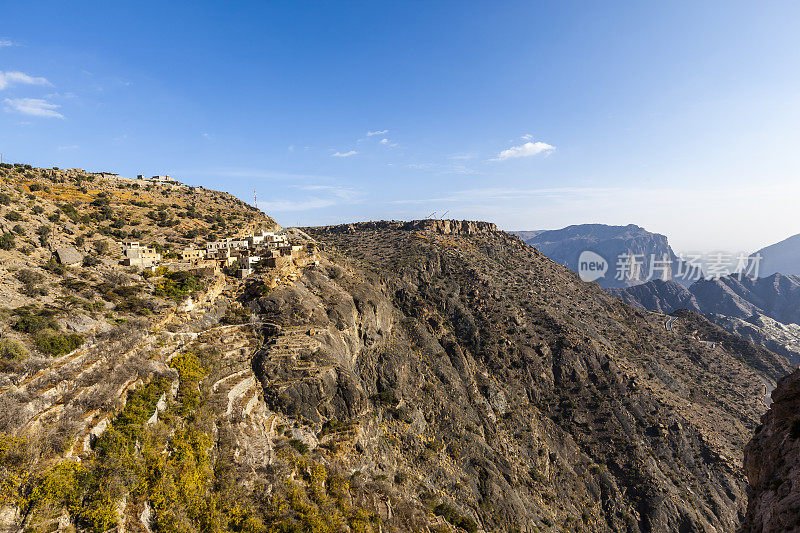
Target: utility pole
[[255, 199]]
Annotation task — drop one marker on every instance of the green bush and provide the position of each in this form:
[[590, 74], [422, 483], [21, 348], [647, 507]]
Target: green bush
[[4, 199], [452, 516], [55, 344], [7, 241], [178, 285], [12, 350], [134, 304], [101, 247], [54, 266], [13, 216], [29, 277], [299, 445], [32, 323]]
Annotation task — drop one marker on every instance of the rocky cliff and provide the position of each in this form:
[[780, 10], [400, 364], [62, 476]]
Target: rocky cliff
[[444, 227], [772, 464]]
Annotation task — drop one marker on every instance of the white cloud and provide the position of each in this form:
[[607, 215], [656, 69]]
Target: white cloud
[[524, 150], [33, 106], [387, 142], [344, 154], [69, 147], [10, 77], [527, 137], [5, 42], [377, 132]]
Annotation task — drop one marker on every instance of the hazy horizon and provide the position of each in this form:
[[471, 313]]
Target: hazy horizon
[[680, 118]]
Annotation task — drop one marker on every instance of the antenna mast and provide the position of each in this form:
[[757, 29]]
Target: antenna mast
[[255, 199]]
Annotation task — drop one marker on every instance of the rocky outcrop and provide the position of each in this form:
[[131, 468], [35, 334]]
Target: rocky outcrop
[[444, 227], [772, 464], [559, 407]]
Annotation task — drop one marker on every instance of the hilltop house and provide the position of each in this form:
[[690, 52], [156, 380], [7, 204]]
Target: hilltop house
[[140, 256], [230, 244], [192, 254]]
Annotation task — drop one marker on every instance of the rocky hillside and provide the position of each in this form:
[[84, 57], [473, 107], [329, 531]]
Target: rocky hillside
[[777, 337], [772, 463], [564, 246], [763, 311], [423, 376], [574, 397], [776, 296]]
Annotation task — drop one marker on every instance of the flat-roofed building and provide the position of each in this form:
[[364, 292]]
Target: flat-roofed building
[[231, 244], [141, 256], [192, 254]]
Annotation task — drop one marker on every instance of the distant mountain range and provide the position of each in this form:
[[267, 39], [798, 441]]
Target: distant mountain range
[[765, 310], [566, 245], [617, 246], [776, 296]]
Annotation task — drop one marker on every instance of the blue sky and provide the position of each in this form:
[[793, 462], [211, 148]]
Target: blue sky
[[679, 117]]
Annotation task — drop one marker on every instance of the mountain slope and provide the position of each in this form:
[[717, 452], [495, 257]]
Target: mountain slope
[[782, 257], [497, 323], [764, 311], [776, 296], [564, 246], [777, 337]]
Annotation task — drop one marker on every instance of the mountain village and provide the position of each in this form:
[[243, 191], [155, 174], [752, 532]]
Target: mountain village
[[239, 255], [265, 248]]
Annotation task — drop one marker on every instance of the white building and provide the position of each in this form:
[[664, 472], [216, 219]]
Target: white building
[[230, 244]]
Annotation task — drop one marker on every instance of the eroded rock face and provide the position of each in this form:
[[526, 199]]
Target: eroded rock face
[[772, 464], [445, 227], [548, 404]]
